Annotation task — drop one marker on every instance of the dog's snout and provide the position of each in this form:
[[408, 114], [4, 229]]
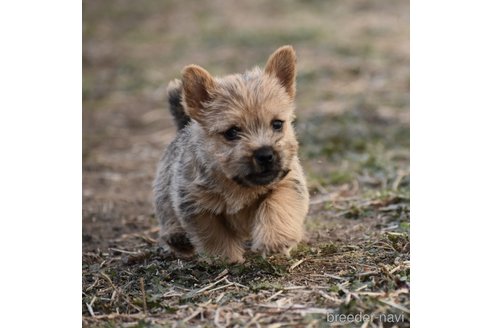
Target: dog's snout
[[264, 155]]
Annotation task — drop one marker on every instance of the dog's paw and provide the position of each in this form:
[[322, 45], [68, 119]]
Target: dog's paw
[[235, 260], [271, 248], [180, 244]]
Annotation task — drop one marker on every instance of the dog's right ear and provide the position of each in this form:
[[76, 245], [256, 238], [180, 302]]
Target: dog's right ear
[[282, 65], [198, 85]]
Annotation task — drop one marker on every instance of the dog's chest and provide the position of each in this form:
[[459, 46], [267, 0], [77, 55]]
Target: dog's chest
[[228, 203]]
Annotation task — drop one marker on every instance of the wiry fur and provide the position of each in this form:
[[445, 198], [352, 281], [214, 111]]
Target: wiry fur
[[206, 197], [174, 91]]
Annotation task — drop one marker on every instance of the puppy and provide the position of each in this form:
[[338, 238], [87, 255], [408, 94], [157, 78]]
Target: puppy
[[232, 174]]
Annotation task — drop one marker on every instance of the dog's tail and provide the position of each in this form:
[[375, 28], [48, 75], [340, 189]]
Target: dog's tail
[[174, 92]]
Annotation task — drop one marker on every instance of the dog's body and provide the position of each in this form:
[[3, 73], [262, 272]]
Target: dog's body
[[232, 173]]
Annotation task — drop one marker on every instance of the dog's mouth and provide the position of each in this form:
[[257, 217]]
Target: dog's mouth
[[262, 178]]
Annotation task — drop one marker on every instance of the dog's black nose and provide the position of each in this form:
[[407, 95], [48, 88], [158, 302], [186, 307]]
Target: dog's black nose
[[264, 155]]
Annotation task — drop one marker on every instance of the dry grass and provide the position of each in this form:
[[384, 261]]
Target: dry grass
[[364, 271], [353, 127]]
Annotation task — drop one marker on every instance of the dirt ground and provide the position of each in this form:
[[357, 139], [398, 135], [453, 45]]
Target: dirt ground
[[353, 127]]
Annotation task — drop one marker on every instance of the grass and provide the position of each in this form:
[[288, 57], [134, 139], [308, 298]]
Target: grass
[[365, 276], [353, 127]]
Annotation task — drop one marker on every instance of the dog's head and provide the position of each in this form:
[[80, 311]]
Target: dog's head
[[247, 118]]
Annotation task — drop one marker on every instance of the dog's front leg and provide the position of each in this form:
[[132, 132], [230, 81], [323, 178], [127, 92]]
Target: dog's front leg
[[211, 234], [279, 220]]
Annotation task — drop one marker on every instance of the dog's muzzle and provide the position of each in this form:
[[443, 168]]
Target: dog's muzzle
[[265, 168]]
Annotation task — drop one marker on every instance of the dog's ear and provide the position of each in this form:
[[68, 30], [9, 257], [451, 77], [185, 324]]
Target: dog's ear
[[198, 85], [282, 65]]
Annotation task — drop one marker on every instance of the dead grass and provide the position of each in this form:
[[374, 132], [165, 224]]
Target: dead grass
[[354, 131], [369, 274]]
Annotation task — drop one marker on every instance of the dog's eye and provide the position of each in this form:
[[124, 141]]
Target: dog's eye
[[277, 124], [232, 133]]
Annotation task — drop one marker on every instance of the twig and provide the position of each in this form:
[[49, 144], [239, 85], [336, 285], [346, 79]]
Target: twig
[[93, 285], [321, 199], [236, 284], [171, 294], [328, 297], [223, 273], [217, 300], [148, 239], [194, 314], [395, 269], [105, 276], [273, 296], [294, 287], [368, 273], [330, 276], [144, 296], [217, 318], [396, 306], [124, 251], [297, 308], [209, 286], [119, 315], [127, 299], [371, 293], [254, 320], [398, 179], [220, 287], [293, 266], [89, 307]]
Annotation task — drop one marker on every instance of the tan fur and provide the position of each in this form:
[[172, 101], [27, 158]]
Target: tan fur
[[197, 84], [282, 65], [212, 193]]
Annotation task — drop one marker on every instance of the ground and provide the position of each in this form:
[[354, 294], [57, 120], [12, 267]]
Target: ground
[[353, 128]]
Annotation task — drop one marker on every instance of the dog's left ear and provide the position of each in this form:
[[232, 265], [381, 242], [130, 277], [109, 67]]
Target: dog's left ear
[[282, 65], [198, 85]]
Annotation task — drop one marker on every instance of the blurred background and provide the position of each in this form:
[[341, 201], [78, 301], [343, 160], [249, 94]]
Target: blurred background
[[352, 102]]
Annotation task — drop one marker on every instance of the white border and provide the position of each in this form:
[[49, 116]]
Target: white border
[[40, 165], [451, 162]]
